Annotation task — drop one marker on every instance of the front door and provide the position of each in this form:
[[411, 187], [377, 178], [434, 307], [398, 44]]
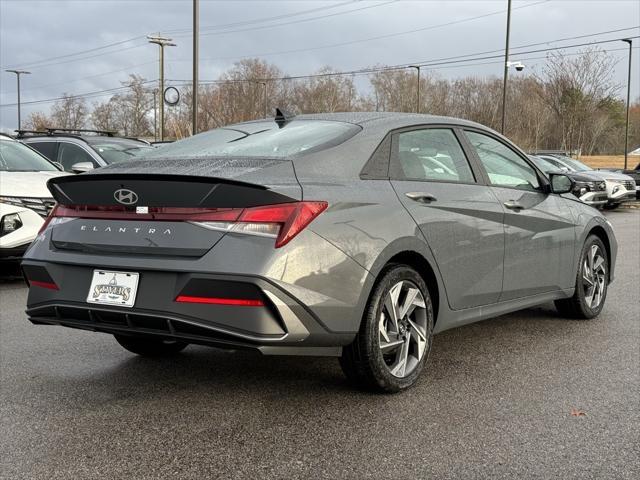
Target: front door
[[458, 216], [539, 227]]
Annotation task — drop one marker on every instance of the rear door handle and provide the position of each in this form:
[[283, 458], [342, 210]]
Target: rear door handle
[[421, 197], [513, 205]]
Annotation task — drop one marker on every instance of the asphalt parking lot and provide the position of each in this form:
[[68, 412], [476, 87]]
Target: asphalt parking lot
[[495, 402]]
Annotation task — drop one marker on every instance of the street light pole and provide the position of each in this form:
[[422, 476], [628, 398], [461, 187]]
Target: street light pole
[[18, 73], [626, 126], [194, 93], [266, 107], [161, 42], [417, 67], [506, 68]]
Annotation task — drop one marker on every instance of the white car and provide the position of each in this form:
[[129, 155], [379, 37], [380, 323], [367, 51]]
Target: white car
[[24, 197], [620, 187]]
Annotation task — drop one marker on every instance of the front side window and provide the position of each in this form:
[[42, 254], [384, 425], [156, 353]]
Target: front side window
[[433, 154], [69, 154], [504, 166], [16, 157]]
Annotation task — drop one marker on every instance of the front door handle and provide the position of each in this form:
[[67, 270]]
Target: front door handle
[[421, 197], [513, 205]]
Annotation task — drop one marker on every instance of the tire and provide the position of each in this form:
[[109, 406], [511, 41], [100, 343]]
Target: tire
[[364, 362], [611, 206], [581, 305], [150, 347]]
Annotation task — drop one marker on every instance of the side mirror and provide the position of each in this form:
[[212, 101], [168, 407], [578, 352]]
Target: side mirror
[[81, 167], [561, 183]]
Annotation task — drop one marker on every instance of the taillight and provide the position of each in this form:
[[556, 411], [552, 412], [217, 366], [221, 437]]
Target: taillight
[[47, 219], [281, 221], [238, 302]]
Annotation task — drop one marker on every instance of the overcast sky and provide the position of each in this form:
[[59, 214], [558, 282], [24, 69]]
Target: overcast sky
[[343, 34]]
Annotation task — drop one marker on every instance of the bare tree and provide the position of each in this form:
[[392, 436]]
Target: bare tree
[[37, 121], [69, 112]]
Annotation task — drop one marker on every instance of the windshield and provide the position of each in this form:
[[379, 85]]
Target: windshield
[[260, 139], [544, 165], [574, 164], [16, 157], [118, 150]]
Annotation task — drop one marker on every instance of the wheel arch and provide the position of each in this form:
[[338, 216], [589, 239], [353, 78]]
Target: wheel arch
[[423, 267], [416, 254], [601, 233]]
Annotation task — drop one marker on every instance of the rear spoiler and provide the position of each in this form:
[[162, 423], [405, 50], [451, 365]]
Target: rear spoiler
[[160, 190]]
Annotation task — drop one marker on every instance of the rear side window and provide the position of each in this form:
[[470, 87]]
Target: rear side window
[[48, 149], [433, 154], [259, 139]]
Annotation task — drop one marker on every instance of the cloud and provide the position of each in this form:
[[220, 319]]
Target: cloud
[[32, 32]]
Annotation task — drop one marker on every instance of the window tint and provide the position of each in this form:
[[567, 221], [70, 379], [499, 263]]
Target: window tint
[[48, 149], [433, 154], [70, 154], [16, 157], [505, 167]]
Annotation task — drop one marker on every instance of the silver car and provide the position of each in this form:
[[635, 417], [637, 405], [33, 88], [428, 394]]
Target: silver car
[[353, 235]]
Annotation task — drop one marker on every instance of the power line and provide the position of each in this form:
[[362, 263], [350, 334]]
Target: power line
[[50, 61], [362, 71], [260, 20], [293, 22]]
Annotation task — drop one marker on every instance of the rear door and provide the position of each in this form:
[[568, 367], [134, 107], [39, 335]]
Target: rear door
[[539, 226], [457, 214]]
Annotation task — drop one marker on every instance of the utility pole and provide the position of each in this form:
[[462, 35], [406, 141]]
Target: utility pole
[[417, 67], [266, 107], [194, 88], [626, 127], [506, 68], [155, 110], [161, 42], [18, 73]]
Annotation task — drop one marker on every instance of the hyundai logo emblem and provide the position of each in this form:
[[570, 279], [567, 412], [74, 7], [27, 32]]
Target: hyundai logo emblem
[[125, 196]]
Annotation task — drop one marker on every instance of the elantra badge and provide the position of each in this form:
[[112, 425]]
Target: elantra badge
[[125, 196]]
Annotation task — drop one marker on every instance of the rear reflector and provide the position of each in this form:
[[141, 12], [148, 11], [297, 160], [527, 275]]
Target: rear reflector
[[49, 285], [220, 301], [282, 221]]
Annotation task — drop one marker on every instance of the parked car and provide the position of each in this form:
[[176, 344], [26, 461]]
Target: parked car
[[620, 188], [328, 234], [24, 197], [83, 150], [590, 189], [635, 174]]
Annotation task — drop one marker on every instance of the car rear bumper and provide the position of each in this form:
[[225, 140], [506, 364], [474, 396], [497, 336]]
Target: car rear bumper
[[281, 325]]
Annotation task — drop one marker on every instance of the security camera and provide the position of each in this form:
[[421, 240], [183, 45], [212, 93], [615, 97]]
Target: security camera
[[519, 66]]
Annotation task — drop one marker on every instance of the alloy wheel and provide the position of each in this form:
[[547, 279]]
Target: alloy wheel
[[402, 330], [594, 277]]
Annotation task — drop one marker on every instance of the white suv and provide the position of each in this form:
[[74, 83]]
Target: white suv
[[24, 197]]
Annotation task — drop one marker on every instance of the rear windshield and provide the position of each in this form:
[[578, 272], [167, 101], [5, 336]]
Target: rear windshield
[[260, 139]]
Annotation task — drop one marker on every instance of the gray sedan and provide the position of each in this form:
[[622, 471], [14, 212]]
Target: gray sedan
[[355, 235]]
